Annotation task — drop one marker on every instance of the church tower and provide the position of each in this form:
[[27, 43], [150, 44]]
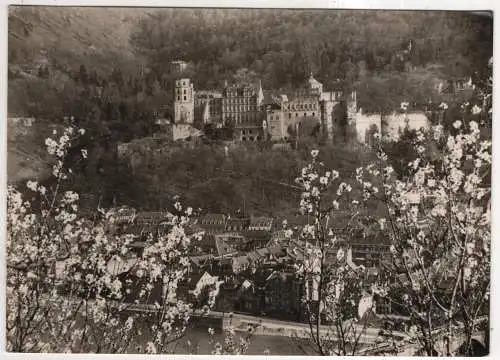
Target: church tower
[[184, 101]]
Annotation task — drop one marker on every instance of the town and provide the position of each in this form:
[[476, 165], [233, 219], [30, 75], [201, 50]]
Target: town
[[254, 258]]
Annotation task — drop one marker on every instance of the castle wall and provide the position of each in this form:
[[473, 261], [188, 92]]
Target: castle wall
[[390, 126], [276, 124]]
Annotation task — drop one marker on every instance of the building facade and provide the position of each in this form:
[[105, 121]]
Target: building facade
[[208, 108], [243, 108], [310, 105]]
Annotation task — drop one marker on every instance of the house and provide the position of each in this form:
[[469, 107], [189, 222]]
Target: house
[[142, 232], [122, 214], [279, 237], [260, 223], [213, 223], [369, 251], [256, 239], [196, 287], [223, 248], [235, 240], [153, 217], [206, 245], [282, 295], [237, 225]]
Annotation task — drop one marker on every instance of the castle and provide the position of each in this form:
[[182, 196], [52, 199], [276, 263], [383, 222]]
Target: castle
[[255, 116], [287, 113]]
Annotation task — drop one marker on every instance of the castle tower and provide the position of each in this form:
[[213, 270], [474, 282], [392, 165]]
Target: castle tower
[[184, 101]]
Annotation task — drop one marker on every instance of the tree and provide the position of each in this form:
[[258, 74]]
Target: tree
[[245, 76], [334, 286], [71, 279], [83, 76], [438, 219]]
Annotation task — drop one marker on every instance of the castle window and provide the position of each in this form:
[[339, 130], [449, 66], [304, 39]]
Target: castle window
[[305, 114], [178, 98], [296, 114], [289, 115], [314, 114], [184, 98], [185, 91]]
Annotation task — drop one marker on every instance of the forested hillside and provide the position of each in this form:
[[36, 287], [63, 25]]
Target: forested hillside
[[110, 70], [352, 49], [366, 50], [70, 36]]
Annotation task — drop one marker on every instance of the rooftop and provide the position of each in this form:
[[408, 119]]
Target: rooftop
[[213, 219], [261, 221]]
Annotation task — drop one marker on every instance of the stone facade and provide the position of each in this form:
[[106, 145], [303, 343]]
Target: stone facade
[[289, 112], [389, 127], [244, 108], [241, 107], [184, 101]]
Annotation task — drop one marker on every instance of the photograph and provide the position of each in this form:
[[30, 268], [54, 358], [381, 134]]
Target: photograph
[[248, 181]]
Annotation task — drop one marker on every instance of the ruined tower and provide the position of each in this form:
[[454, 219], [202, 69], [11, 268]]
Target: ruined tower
[[184, 101]]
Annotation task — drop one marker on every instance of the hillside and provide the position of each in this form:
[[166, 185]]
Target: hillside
[[69, 36], [26, 155], [110, 68]]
